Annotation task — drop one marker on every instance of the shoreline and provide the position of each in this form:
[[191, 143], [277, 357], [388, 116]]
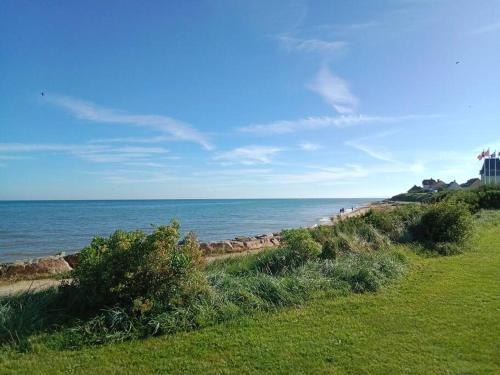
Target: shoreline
[[60, 263]]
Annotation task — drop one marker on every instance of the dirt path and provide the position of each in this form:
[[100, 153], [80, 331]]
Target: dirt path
[[26, 285]]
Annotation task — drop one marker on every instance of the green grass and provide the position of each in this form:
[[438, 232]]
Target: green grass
[[442, 317]]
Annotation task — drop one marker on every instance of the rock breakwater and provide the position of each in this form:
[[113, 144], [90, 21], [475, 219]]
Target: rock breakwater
[[60, 263]]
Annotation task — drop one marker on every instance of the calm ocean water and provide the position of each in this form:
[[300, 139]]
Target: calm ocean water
[[38, 228]]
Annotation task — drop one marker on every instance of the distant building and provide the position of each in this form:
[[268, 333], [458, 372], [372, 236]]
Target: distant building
[[416, 189], [490, 172], [428, 184], [471, 183], [453, 185], [433, 185]]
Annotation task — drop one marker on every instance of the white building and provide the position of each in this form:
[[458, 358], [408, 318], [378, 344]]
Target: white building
[[490, 172]]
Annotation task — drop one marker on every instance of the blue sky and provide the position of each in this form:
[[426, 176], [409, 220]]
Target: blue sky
[[234, 99]]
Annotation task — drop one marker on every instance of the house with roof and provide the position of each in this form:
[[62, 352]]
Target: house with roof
[[471, 183], [416, 189], [433, 185], [428, 184], [490, 172], [453, 185]]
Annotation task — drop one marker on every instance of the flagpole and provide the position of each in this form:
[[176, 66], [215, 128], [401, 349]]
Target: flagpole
[[488, 173], [489, 168]]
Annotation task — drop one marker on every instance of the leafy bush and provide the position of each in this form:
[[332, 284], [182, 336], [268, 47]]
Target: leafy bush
[[299, 248], [335, 246], [445, 222], [490, 198], [138, 272], [397, 223], [484, 197]]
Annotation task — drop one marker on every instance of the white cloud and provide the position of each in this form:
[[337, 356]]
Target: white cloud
[[89, 152], [13, 157], [344, 174], [308, 146], [311, 123], [369, 150], [89, 111], [156, 139], [130, 176], [248, 155], [486, 29], [311, 45], [334, 90], [349, 28]]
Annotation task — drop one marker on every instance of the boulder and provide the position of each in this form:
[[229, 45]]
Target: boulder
[[253, 244], [72, 259], [36, 267]]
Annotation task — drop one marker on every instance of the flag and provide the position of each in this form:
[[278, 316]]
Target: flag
[[480, 156], [494, 155], [487, 153]]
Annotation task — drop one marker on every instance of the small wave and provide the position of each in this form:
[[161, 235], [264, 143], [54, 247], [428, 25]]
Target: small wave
[[325, 220]]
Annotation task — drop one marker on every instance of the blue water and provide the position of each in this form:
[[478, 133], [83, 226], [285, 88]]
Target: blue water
[[38, 228]]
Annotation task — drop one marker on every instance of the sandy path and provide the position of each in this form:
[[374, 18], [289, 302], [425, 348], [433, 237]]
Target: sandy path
[[27, 285]]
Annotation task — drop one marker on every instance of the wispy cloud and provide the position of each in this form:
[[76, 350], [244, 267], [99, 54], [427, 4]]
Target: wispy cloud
[[12, 157], [311, 45], [346, 173], [154, 139], [89, 152], [349, 28], [91, 112], [311, 123], [374, 153], [131, 176], [308, 146], [334, 90], [486, 29], [248, 155]]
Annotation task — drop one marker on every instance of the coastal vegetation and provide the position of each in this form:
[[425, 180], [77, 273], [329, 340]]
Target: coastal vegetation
[[440, 318], [133, 285]]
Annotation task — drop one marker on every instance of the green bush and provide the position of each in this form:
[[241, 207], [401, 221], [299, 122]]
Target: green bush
[[445, 222], [335, 246], [137, 272], [397, 223], [490, 198], [299, 248], [484, 197]]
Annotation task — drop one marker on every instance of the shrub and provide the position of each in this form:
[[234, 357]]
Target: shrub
[[447, 248], [445, 222], [335, 246], [398, 223], [489, 198], [137, 272], [299, 248], [484, 197]]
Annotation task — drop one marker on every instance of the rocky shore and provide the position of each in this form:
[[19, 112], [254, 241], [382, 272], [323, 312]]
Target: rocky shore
[[61, 263]]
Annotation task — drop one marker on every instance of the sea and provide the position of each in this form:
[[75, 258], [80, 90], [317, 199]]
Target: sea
[[32, 229]]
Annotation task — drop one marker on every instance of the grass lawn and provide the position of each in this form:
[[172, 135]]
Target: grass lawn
[[442, 317]]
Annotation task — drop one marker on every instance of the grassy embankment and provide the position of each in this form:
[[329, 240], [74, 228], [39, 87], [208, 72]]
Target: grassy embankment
[[442, 317]]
